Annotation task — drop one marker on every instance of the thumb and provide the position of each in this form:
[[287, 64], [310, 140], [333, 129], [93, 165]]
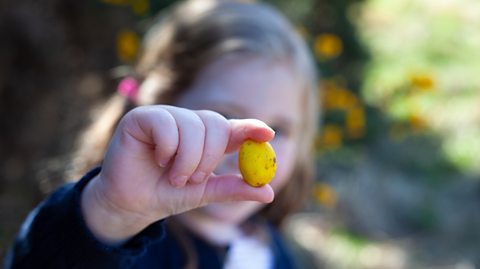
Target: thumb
[[227, 188], [248, 128]]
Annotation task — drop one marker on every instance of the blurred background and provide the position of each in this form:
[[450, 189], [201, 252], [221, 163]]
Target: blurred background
[[398, 157]]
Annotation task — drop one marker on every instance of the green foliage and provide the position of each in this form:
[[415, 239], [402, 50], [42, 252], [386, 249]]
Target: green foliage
[[423, 67]]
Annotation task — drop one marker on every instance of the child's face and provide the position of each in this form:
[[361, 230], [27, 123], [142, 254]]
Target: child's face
[[251, 87]]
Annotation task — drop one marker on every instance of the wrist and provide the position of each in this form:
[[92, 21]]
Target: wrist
[[106, 222]]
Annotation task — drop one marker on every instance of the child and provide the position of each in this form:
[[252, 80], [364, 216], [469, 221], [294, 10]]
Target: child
[[168, 193]]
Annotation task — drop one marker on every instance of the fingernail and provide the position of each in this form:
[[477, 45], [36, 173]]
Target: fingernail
[[198, 177], [179, 181]]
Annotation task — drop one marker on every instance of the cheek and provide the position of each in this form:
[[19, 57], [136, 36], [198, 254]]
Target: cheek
[[286, 155]]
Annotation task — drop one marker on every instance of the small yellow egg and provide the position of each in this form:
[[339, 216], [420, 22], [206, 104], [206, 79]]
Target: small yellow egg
[[257, 162]]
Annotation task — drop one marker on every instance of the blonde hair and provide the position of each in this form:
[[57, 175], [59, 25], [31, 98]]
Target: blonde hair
[[191, 36]]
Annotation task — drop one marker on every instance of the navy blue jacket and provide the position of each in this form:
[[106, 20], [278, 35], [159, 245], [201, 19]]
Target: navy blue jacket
[[56, 236]]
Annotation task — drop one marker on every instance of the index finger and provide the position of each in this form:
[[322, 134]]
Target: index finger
[[247, 129]]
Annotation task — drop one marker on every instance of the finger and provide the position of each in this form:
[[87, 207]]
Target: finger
[[227, 188], [154, 126], [240, 130], [191, 132], [165, 135], [217, 133]]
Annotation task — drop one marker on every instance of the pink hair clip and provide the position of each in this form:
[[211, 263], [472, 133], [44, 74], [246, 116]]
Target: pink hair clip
[[128, 87]]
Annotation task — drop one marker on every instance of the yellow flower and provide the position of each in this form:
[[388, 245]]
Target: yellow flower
[[355, 122], [422, 81], [339, 98], [330, 137], [327, 46], [325, 195], [336, 97], [128, 44]]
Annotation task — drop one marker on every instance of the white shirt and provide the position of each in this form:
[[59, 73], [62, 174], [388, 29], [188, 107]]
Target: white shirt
[[248, 252]]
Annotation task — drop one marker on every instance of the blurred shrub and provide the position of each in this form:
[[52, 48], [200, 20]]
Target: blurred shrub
[[423, 69]]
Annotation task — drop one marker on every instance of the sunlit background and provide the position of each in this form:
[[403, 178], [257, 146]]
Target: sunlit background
[[398, 155]]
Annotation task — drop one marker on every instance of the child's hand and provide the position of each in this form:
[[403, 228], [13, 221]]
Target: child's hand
[[160, 163]]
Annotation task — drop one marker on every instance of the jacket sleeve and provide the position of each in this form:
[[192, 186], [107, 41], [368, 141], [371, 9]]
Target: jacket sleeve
[[55, 236]]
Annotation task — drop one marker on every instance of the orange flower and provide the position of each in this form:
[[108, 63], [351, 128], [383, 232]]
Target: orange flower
[[417, 123], [128, 44], [330, 138], [422, 81], [328, 46]]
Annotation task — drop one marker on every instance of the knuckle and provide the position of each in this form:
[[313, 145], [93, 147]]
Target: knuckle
[[217, 121], [224, 126], [197, 123], [209, 113]]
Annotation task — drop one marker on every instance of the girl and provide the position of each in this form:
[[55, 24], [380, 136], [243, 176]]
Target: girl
[[168, 193]]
